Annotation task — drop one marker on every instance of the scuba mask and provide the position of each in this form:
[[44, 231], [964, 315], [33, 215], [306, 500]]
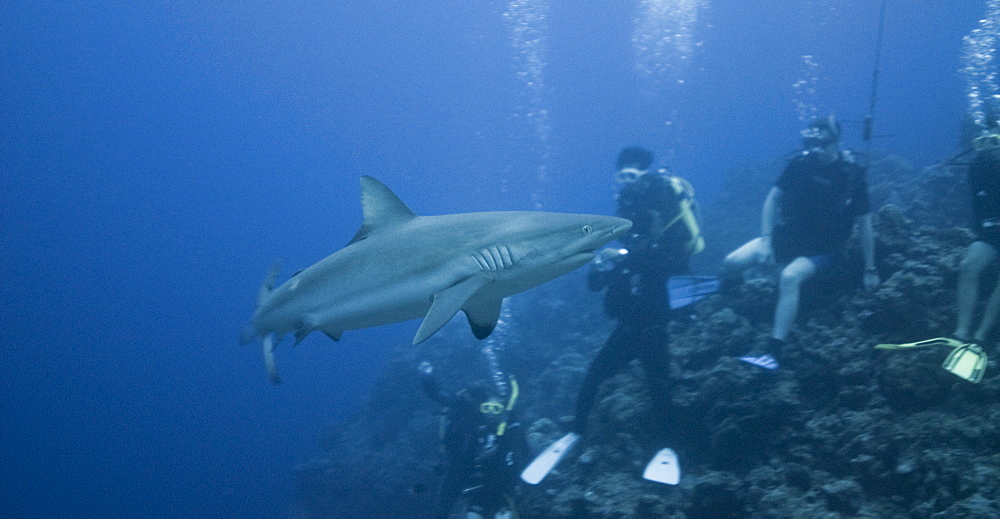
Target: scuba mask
[[821, 133], [817, 137], [629, 175], [491, 406]]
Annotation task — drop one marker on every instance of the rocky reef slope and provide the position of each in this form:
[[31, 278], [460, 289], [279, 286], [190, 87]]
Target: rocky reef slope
[[841, 430]]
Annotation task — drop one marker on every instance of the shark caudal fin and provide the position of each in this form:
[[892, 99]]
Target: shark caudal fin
[[250, 331], [272, 369]]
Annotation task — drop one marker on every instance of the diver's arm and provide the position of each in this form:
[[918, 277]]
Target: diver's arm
[[867, 234], [768, 218], [768, 215]]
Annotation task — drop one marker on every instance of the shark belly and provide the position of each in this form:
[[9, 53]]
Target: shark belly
[[348, 291]]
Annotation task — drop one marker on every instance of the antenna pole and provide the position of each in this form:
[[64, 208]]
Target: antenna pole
[[867, 132]]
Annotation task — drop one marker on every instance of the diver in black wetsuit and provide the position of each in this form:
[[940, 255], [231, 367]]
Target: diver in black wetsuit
[[807, 217], [484, 449], [984, 183], [664, 234]]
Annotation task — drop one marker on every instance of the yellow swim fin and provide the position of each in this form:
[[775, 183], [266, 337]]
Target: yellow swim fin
[[939, 341], [967, 361]]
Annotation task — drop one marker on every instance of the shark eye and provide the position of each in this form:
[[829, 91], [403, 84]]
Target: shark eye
[[587, 229]]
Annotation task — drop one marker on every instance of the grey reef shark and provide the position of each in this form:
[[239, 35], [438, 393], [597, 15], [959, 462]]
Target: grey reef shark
[[400, 266]]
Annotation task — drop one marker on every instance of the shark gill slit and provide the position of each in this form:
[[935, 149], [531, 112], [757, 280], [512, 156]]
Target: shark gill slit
[[488, 256], [479, 259], [497, 258], [506, 256]]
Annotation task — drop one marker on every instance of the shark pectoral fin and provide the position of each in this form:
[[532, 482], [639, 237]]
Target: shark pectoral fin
[[483, 316], [447, 303]]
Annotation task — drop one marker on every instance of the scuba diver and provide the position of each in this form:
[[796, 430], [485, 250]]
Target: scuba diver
[[806, 220], [664, 235], [484, 448], [984, 183], [967, 358]]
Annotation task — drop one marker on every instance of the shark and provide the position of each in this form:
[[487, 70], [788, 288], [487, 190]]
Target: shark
[[401, 266]]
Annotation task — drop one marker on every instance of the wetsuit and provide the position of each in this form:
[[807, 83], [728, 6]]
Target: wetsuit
[[984, 182], [481, 462], [819, 203], [637, 290]]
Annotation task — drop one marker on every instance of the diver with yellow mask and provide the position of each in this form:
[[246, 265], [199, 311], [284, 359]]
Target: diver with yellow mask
[[483, 446]]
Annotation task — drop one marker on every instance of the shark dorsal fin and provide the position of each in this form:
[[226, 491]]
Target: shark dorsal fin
[[381, 208]]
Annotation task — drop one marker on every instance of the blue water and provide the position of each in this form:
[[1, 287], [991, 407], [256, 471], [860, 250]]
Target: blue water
[[156, 157]]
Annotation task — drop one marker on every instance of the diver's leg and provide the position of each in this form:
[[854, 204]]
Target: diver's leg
[[986, 254], [738, 261], [610, 359], [742, 258], [653, 353], [655, 357], [797, 272], [975, 261]]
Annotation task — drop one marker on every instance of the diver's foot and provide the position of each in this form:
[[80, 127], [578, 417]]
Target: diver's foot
[[961, 337], [764, 356], [763, 360]]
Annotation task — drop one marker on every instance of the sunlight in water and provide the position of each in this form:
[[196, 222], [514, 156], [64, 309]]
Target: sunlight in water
[[805, 89], [528, 20], [495, 344], [978, 51], [664, 39], [529, 30]]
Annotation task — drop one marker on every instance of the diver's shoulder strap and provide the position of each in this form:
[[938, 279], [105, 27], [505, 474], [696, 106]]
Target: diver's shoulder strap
[[514, 393]]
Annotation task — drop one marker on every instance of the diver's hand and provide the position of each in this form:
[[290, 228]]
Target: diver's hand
[[606, 258], [609, 254]]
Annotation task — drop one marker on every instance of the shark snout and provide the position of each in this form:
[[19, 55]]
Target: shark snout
[[621, 228], [608, 230]]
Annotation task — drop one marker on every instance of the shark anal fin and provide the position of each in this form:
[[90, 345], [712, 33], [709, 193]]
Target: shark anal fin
[[447, 303], [483, 316], [309, 323], [333, 335]]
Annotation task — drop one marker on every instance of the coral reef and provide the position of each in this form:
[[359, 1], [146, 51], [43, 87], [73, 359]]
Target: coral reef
[[840, 430]]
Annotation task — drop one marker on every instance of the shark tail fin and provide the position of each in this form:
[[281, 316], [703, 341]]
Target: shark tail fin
[[249, 332], [268, 346], [268, 284]]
